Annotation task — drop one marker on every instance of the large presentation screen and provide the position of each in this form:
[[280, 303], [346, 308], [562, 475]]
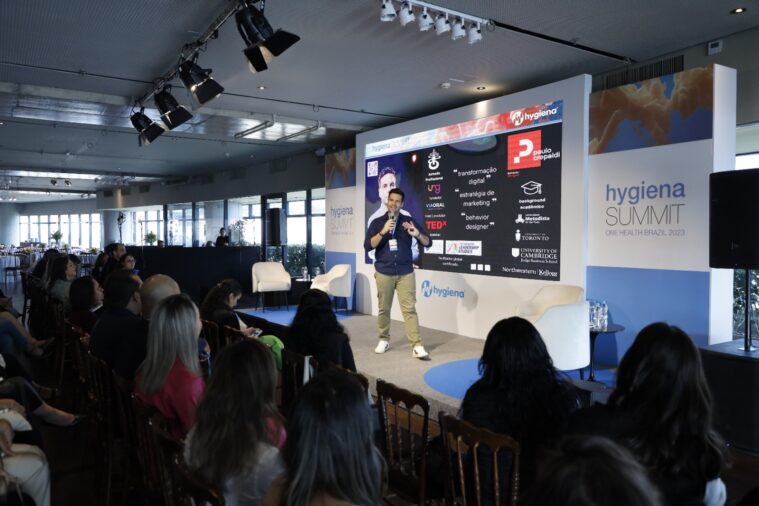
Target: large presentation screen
[[488, 191]]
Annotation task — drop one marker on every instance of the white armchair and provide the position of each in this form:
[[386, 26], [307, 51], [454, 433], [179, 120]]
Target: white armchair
[[549, 295], [336, 283], [566, 331], [270, 277]]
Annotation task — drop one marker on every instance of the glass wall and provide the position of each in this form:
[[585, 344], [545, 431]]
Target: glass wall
[[318, 229], [180, 225], [147, 223], [210, 220], [76, 230], [245, 223]]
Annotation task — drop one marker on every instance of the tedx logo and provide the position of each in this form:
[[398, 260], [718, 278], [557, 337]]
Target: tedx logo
[[520, 149]]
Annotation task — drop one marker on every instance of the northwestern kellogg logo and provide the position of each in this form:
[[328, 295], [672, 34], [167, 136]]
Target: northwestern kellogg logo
[[428, 290]]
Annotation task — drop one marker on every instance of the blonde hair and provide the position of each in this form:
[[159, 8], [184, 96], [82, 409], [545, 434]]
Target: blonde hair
[[172, 335]]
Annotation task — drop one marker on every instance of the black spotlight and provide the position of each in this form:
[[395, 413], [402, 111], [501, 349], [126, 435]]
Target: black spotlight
[[263, 42], [149, 130], [199, 82], [172, 114]]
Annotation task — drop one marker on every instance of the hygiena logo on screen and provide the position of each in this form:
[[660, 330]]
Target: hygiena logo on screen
[[430, 290]]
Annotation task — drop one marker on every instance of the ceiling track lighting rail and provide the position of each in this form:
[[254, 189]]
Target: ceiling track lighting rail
[[257, 128], [301, 132], [445, 20]]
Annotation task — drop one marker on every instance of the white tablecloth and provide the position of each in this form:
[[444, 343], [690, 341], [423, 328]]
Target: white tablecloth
[[9, 261]]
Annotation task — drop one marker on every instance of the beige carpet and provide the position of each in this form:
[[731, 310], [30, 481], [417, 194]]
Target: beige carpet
[[398, 366]]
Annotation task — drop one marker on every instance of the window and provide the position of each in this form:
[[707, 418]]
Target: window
[[77, 230], [145, 222], [180, 225], [210, 220], [245, 224], [318, 229]]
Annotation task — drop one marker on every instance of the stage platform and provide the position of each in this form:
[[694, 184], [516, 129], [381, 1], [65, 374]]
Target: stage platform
[[442, 380]]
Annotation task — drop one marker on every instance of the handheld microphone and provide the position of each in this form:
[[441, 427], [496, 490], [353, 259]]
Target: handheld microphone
[[391, 216]]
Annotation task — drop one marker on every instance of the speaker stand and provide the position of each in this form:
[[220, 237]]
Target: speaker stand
[[747, 314]]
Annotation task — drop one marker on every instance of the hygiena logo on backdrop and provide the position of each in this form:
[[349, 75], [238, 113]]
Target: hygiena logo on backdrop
[[430, 290], [341, 220]]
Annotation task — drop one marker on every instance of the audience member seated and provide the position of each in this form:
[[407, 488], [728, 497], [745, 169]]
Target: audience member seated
[[15, 339], [41, 268], [114, 251], [153, 290], [62, 274], [119, 336], [24, 393], [97, 267], [25, 465], [330, 457], [316, 331], [128, 262], [592, 470], [661, 410], [170, 378], [520, 393], [86, 298], [219, 304], [237, 426]]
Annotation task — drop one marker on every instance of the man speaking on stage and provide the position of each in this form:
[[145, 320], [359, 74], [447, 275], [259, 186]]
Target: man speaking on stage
[[391, 236]]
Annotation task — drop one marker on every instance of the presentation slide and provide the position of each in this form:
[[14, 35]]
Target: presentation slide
[[488, 191]]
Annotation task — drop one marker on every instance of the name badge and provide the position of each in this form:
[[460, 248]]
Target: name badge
[[393, 244]]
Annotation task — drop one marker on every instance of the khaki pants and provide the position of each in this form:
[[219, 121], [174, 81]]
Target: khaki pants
[[405, 286]]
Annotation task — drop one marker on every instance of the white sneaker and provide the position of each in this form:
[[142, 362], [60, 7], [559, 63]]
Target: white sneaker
[[420, 353], [382, 346]]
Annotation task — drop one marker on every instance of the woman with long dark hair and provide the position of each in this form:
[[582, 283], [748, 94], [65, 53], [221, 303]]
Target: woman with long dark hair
[[330, 456], [219, 304], [86, 296], [661, 410], [170, 377], [520, 392], [62, 274], [238, 428], [316, 331]]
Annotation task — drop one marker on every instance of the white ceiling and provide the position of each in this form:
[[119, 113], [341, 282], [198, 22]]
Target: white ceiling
[[70, 71]]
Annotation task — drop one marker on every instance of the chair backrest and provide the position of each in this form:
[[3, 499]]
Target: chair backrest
[[478, 461], [210, 333], [268, 271], [292, 376], [187, 487], [341, 281], [232, 335], [148, 453], [170, 451], [566, 332], [549, 295], [404, 427], [102, 386], [122, 397]]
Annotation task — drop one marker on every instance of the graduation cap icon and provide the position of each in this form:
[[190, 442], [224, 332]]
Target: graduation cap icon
[[531, 188]]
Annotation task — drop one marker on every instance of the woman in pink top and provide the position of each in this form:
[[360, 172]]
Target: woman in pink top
[[170, 378]]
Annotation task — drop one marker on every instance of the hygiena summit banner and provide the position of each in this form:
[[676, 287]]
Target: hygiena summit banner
[[652, 147]]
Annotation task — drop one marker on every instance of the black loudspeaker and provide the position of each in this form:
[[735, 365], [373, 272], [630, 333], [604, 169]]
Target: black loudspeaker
[[733, 217], [276, 227], [733, 377]]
